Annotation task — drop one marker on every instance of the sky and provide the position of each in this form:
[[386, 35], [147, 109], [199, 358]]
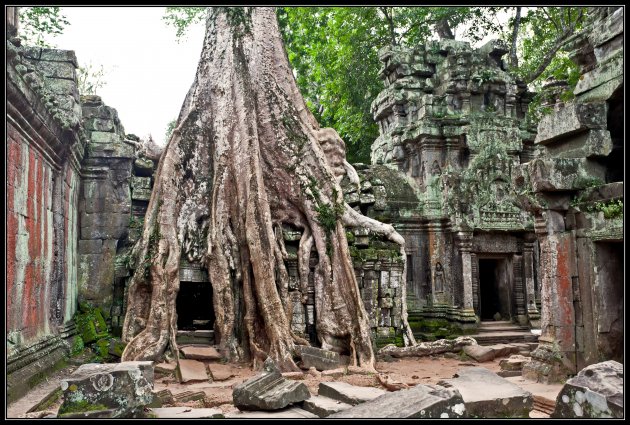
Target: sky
[[147, 72]]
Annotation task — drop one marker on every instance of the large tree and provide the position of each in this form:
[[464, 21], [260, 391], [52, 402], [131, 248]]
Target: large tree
[[247, 157]]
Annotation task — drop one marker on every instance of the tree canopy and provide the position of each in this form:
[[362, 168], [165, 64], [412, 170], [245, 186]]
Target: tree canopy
[[334, 51]]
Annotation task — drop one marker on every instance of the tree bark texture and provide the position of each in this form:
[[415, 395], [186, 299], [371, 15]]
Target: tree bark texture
[[246, 158]]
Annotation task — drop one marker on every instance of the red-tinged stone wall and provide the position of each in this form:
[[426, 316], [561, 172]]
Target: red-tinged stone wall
[[44, 149]]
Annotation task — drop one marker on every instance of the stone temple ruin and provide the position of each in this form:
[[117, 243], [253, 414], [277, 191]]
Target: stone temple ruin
[[504, 220]]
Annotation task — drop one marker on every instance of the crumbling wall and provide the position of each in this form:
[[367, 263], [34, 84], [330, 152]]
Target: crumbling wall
[[577, 188]]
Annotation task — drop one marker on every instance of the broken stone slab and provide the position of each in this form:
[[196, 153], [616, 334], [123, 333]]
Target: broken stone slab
[[268, 391], [165, 368], [184, 413], [200, 352], [479, 352], [189, 396], [121, 388], [324, 406], [553, 174], [592, 144], [161, 398], [421, 401], [509, 373], [502, 350], [487, 395], [514, 362], [220, 372], [334, 373], [429, 348], [296, 376], [289, 412], [596, 392], [571, 119], [191, 370], [347, 393], [319, 359]]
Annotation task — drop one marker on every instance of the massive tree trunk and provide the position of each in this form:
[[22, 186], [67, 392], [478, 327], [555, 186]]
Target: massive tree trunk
[[246, 157]]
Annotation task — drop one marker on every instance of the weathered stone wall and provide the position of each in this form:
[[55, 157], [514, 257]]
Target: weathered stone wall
[[577, 183], [44, 149], [105, 203]]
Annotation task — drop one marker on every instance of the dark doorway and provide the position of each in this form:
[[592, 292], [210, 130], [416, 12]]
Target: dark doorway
[[195, 310], [490, 302], [609, 293]]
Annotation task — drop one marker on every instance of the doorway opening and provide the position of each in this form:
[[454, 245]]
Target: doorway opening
[[195, 310], [493, 290], [609, 266]]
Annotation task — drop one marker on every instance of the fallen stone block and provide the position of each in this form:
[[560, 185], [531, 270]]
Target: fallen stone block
[[165, 368], [268, 391], [323, 406], [189, 396], [199, 352], [117, 390], [509, 373], [571, 119], [220, 372], [428, 348], [346, 393], [289, 412], [487, 395], [513, 363], [319, 359], [503, 350], [184, 413], [596, 392], [296, 376], [191, 370], [161, 398], [479, 353], [421, 401]]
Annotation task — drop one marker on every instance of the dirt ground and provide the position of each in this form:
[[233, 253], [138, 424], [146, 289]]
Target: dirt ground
[[410, 370]]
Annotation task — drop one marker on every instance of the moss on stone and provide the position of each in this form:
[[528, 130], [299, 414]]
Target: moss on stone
[[80, 406]]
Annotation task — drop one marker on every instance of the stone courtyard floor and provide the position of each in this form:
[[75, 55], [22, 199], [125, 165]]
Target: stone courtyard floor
[[218, 395]]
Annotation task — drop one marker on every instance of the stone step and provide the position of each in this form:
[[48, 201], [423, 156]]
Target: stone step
[[199, 352], [488, 338], [323, 406], [490, 324], [346, 393], [199, 337], [507, 328]]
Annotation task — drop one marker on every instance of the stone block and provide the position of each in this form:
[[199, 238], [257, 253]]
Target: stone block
[[324, 406], [421, 401], [570, 120], [268, 391], [165, 368], [191, 370], [479, 353], [596, 392], [604, 73], [514, 362], [220, 372], [318, 358], [552, 174], [487, 395], [347, 393], [124, 388], [63, 70], [57, 55], [200, 352], [592, 144], [96, 124], [143, 165], [91, 246]]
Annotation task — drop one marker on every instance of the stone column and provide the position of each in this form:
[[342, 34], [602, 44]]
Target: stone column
[[464, 244], [533, 314]]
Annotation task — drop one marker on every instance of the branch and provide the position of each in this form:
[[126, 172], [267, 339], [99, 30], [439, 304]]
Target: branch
[[555, 24], [517, 23], [390, 23], [547, 59]]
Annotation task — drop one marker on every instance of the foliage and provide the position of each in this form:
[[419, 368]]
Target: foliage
[[611, 209], [39, 23], [90, 78], [169, 130], [183, 17], [334, 52]]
